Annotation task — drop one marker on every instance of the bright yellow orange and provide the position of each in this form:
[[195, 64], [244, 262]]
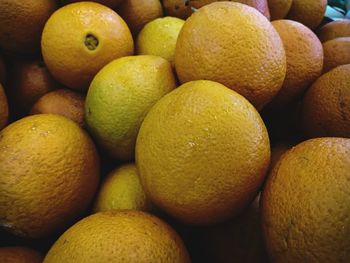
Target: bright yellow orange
[[22, 23], [202, 153], [20, 255], [235, 45], [119, 236], [308, 12], [279, 8], [304, 204], [335, 29], [62, 102], [4, 111], [80, 38], [304, 54], [326, 105], [49, 173], [336, 53]]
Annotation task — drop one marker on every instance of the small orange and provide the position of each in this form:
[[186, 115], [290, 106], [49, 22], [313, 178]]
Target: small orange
[[80, 38], [336, 53], [279, 8]]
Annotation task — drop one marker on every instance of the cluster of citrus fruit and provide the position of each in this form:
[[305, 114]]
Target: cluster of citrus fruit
[[174, 131]]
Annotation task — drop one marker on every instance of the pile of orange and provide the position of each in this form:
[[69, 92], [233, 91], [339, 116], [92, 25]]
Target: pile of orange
[[174, 131]]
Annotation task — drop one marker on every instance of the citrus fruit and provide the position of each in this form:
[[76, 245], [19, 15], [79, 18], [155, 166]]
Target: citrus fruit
[[235, 45], [308, 12], [122, 189], [2, 70], [279, 8], [159, 37], [80, 38], [109, 3], [20, 255], [336, 53], [29, 80], [119, 236], [22, 23], [326, 105], [138, 13], [335, 29], [119, 98], [62, 102], [177, 8], [202, 153], [3, 108], [305, 215], [49, 173], [304, 54]]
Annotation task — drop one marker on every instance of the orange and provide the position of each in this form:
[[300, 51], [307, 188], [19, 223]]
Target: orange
[[29, 80], [326, 105], [138, 13], [49, 173], [202, 152], [22, 23], [305, 215], [3, 108], [235, 45], [20, 255], [80, 38], [2, 70], [308, 12], [304, 54], [336, 53], [109, 3], [335, 29], [177, 8], [119, 236], [279, 8], [62, 102], [122, 189]]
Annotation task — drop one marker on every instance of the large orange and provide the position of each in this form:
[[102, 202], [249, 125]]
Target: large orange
[[119, 236], [305, 204], [22, 23], [80, 38], [202, 153], [49, 171], [235, 45], [326, 105]]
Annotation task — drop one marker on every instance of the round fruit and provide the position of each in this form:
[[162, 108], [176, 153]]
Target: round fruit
[[109, 3], [308, 12], [202, 153], [122, 189], [235, 45], [279, 8], [336, 53], [62, 102], [326, 105], [159, 38], [80, 38], [335, 29], [119, 98], [22, 23], [305, 203], [49, 173], [4, 112], [119, 236], [20, 255], [138, 13], [304, 54], [177, 8], [29, 80]]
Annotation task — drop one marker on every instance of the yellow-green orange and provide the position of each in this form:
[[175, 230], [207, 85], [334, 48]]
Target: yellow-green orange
[[335, 29], [122, 189], [3, 108], [80, 38], [119, 98], [159, 37], [119, 236], [326, 105], [235, 45], [20, 255], [336, 53], [279, 8], [304, 54], [49, 173], [202, 153], [305, 204]]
